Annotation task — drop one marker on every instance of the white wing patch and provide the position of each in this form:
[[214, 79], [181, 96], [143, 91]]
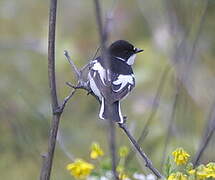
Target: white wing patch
[[94, 87], [123, 80], [101, 71], [101, 109]]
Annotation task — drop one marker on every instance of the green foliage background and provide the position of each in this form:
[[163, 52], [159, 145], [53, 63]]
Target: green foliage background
[[24, 93]]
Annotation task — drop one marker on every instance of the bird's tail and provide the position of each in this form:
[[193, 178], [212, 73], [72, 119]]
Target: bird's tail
[[111, 111]]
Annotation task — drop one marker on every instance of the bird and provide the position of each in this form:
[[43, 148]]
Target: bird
[[111, 79]]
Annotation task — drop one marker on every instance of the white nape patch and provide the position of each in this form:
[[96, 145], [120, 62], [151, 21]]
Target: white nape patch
[[120, 58], [131, 59], [123, 80], [101, 109]]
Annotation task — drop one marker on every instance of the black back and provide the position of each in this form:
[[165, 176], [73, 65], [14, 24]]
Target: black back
[[117, 66]]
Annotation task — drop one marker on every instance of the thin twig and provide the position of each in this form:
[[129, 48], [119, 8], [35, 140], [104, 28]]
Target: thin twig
[[102, 32], [89, 64], [66, 99], [96, 53], [82, 83], [148, 162], [204, 145], [209, 130], [86, 88], [48, 158], [74, 68], [199, 30]]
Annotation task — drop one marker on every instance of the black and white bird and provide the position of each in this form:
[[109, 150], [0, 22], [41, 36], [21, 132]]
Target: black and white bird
[[111, 81]]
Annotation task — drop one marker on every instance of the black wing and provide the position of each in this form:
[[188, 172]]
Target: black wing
[[114, 88]]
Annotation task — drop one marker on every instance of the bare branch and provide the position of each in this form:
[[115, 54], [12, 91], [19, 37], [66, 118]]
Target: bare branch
[[81, 82], [204, 145], [96, 53], [209, 131], [66, 99], [48, 158], [104, 54], [43, 168], [112, 142], [74, 68], [148, 162]]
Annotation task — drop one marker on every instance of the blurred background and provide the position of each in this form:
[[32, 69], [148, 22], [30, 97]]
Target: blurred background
[[174, 98]]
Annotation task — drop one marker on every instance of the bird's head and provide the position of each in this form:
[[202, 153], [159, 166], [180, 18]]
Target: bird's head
[[124, 50]]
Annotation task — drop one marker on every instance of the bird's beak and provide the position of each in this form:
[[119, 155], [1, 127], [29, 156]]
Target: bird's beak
[[137, 50]]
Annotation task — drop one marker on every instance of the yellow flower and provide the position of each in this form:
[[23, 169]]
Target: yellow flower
[[96, 151], [177, 176], [210, 169], [211, 166], [203, 172], [180, 156], [123, 151], [200, 173], [123, 176], [80, 169]]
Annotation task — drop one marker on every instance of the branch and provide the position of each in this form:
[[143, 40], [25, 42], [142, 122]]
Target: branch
[[148, 162], [86, 88], [153, 112], [48, 158], [81, 82], [209, 131], [112, 142], [103, 32], [204, 145], [74, 68], [59, 109]]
